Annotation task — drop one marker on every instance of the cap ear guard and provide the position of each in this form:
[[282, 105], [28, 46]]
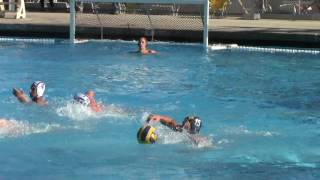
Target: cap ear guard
[[147, 135]]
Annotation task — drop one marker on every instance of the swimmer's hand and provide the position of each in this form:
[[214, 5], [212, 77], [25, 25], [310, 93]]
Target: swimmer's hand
[[16, 91], [153, 117], [20, 95]]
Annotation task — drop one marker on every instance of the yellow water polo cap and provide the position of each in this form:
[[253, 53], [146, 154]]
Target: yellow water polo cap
[[147, 135]]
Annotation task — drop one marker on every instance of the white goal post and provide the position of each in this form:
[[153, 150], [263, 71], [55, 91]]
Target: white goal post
[[205, 4]]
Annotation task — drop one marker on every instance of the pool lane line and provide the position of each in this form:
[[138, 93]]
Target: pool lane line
[[28, 40], [265, 49]]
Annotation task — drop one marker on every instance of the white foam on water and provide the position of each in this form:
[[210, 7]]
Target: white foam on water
[[246, 158], [193, 141], [223, 142], [14, 128], [79, 112], [202, 141], [242, 130], [144, 117], [293, 159]]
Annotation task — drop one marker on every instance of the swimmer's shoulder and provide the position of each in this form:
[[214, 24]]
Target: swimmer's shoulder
[[150, 51]]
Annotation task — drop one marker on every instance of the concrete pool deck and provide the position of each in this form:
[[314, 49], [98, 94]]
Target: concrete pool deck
[[300, 33]]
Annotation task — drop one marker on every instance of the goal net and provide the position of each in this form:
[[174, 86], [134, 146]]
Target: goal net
[[182, 20]]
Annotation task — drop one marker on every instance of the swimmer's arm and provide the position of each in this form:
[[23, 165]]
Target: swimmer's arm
[[165, 120], [100, 107], [93, 104], [97, 107], [158, 118], [20, 95]]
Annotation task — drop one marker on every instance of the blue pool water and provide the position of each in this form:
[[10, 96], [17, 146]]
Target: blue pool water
[[260, 112]]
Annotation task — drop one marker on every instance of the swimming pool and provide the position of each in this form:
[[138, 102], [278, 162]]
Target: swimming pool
[[261, 111]]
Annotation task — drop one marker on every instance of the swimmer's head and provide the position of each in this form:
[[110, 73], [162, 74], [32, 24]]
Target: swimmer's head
[[147, 135], [37, 89], [143, 42], [192, 124], [82, 99], [90, 94]]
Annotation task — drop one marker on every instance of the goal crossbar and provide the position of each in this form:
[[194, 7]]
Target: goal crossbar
[[205, 4]]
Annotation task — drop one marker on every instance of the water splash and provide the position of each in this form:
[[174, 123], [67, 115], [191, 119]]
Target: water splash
[[14, 128], [242, 130], [79, 112], [144, 117]]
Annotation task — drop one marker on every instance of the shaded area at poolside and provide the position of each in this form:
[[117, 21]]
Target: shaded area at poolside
[[302, 33]]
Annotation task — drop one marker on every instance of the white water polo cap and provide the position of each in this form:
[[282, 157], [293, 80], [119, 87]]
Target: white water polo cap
[[39, 87], [82, 99]]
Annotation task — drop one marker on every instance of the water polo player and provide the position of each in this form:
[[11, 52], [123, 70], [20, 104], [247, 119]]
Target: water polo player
[[143, 47], [191, 125], [88, 99], [37, 90]]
